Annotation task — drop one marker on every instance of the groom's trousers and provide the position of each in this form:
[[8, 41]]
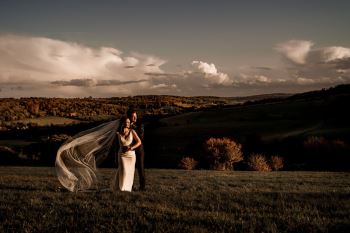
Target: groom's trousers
[[140, 165]]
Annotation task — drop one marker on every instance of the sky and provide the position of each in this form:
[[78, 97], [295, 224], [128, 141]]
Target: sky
[[107, 48]]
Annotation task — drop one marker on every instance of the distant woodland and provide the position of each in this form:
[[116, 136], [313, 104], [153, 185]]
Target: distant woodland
[[14, 111], [309, 131]]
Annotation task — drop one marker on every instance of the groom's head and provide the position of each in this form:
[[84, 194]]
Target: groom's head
[[132, 115]]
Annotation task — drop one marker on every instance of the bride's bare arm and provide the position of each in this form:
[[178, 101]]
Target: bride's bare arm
[[137, 140]]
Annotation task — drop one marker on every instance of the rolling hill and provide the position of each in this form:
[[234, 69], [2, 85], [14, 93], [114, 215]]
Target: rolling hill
[[264, 126]]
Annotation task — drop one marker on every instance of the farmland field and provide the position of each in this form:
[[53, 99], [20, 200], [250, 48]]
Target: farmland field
[[49, 120], [32, 200]]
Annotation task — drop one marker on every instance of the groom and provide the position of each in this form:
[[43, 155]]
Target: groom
[[140, 153]]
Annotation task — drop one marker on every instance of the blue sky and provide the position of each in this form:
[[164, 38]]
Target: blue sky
[[225, 48]]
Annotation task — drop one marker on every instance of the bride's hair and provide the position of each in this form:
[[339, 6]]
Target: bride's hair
[[122, 123]]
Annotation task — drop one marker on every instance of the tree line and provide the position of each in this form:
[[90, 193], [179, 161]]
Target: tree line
[[14, 110]]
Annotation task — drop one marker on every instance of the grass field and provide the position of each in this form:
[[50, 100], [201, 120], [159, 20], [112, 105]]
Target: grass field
[[289, 121], [14, 143], [32, 200], [49, 120]]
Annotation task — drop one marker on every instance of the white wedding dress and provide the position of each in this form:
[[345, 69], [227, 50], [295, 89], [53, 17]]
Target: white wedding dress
[[124, 177], [78, 158]]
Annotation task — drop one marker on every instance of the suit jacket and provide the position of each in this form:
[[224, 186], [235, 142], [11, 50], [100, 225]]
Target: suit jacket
[[140, 130]]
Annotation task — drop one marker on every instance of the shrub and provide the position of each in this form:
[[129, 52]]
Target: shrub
[[188, 163], [222, 153], [276, 162], [324, 145], [315, 142], [257, 162], [59, 138]]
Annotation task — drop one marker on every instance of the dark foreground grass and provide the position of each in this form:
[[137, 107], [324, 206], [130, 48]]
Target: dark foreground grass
[[32, 200]]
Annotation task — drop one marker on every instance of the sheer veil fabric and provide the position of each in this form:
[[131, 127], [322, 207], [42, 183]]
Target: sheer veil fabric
[[77, 159]]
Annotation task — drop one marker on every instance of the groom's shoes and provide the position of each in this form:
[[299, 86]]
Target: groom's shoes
[[139, 189]]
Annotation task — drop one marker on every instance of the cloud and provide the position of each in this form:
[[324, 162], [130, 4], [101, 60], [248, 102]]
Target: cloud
[[164, 86], [335, 53], [254, 79], [50, 62], [343, 64], [118, 83], [39, 66], [201, 78], [209, 73], [295, 50], [262, 79], [299, 52], [77, 82], [202, 75], [303, 81], [306, 65], [50, 67], [205, 79], [93, 82], [262, 68], [165, 75]]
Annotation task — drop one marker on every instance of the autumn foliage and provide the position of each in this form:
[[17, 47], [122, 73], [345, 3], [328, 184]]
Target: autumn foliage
[[188, 163], [276, 162], [222, 153], [258, 162]]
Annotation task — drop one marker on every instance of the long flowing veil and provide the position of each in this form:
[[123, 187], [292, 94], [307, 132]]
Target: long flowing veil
[[78, 158]]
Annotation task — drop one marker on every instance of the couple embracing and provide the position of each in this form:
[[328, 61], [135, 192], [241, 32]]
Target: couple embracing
[[78, 158], [130, 134]]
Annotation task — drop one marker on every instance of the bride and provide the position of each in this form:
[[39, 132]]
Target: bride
[[126, 156], [77, 159]]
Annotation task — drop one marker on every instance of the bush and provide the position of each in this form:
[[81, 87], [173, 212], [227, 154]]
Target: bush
[[59, 138], [315, 142], [188, 163], [222, 153], [257, 162], [276, 162], [324, 145]]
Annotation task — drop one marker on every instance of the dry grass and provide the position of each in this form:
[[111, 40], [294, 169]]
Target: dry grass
[[223, 153], [322, 144], [49, 120], [32, 200], [188, 163], [276, 162], [258, 162]]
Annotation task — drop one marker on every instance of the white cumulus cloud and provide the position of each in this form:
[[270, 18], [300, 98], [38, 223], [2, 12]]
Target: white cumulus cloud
[[335, 53], [295, 50], [39, 66], [312, 66], [28, 60], [210, 73]]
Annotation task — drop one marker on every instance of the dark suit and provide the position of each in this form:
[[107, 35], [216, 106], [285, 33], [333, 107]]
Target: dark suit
[[140, 154]]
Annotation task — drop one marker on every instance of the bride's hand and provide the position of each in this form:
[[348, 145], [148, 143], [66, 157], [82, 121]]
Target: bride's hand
[[125, 148]]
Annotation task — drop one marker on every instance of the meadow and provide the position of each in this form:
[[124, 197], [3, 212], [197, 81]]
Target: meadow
[[32, 200], [49, 120], [276, 127]]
